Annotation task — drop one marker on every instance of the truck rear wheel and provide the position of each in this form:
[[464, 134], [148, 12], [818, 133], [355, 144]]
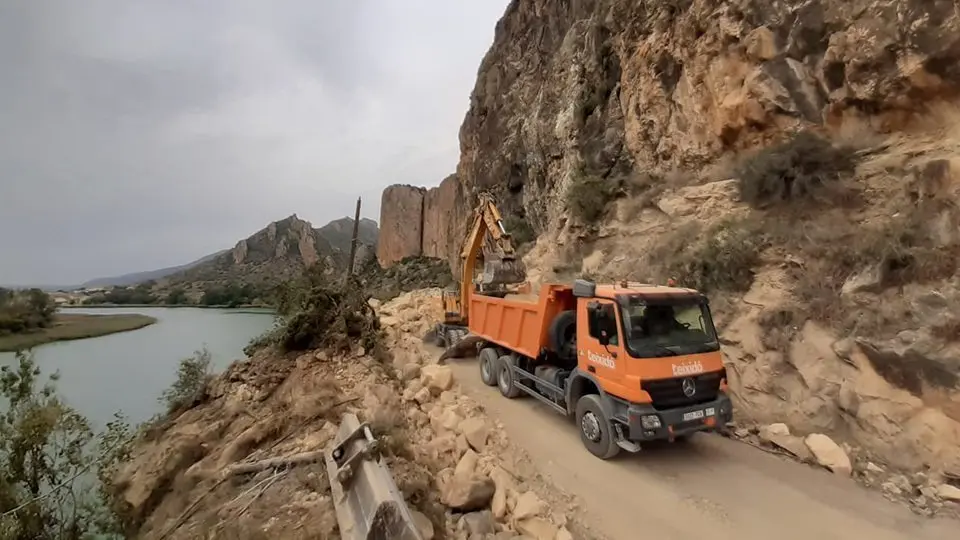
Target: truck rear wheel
[[596, 431], [488, 366], [505, 377]]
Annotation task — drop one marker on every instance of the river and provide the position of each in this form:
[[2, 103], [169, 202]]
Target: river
[[128, 371]]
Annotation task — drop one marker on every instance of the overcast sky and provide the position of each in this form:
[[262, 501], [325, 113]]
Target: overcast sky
[[141, 134]]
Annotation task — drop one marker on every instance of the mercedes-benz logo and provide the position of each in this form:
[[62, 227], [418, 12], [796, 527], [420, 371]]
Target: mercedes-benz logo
[[689, 387]]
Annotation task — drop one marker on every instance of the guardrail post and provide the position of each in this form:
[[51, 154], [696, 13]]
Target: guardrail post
[[369, 506]]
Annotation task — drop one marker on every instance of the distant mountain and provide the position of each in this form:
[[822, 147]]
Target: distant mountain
[[340, 232], [150, 275], [278, 252]]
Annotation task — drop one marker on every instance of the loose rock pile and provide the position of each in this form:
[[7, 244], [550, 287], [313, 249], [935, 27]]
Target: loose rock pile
[[926, 493], [484, 498]]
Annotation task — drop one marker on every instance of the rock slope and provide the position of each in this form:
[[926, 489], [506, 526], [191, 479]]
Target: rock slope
[[615, 130], [454, 465]]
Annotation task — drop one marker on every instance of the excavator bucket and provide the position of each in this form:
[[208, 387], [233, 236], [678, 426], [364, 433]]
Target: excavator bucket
[[499, 272]]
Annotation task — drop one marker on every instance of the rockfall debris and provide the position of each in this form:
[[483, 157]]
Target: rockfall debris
[[241, 464]]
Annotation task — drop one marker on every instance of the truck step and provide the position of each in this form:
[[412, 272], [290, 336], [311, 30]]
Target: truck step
[[622, 441]]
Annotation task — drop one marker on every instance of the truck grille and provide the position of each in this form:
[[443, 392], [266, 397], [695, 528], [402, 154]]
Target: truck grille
[[668, 393]]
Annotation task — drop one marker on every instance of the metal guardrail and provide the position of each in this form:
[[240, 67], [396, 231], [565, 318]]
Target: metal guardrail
[[369, 506]]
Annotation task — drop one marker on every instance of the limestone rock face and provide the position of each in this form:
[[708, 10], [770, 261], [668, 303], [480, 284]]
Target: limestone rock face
[[444, 220], [610, 88], [401, 224]]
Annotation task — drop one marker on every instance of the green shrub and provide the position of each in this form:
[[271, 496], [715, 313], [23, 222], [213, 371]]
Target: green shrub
[[589, 196], [519, 230], [193, 375], [722, 260], [48, 457], [798, 169]]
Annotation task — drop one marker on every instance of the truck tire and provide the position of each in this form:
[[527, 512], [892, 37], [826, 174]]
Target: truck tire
[[563, 335], [488, 366], [505, 378], [596, 430]]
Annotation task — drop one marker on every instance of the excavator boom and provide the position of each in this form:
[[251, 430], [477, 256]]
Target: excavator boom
[[496, 274]]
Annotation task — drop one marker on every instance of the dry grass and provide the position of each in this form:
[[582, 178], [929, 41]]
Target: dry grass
[[75, 326]]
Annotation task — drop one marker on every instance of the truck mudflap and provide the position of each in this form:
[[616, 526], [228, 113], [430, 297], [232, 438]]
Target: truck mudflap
[[369, 506], [645, 423]]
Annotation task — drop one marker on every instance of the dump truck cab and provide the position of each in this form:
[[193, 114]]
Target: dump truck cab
[[631, 363], [652, 355]]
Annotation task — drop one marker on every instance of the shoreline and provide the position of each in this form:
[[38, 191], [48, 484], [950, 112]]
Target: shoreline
[[166, 306], [76, 326]]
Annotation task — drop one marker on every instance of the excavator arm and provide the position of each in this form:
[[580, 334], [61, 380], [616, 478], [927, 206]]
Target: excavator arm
[[506, 270]]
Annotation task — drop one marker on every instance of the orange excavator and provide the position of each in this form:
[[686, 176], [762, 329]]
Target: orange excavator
[[501, 275]]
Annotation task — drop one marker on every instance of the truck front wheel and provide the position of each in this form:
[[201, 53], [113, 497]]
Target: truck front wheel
[[488, 366], [505, 377], [596, 431]]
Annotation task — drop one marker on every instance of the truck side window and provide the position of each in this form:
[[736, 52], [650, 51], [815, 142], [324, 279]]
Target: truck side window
[[605, 320]]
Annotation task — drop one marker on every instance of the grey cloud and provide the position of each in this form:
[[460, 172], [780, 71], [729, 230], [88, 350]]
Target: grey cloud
[[138, 135]]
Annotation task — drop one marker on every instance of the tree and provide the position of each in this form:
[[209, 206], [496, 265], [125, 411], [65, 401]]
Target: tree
[[177, 297], [46, 451], [25, 311]]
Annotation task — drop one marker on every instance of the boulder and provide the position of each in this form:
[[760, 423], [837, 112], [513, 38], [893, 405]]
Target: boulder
[[480, 523], [467, 465], [467, 494], [768, 432], [537, 528], [423, 524], [948, 493], [409, 372], [476, 431], [437, 378], [828, 454], [528, 505]]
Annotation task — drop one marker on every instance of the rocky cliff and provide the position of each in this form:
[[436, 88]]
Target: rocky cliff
[[280, 251], [422, 222], [656, 139]]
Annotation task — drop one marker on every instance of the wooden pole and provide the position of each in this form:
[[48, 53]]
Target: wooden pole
[[354, 241]]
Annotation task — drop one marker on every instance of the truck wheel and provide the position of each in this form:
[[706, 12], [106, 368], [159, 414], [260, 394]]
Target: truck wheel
[[488, 366], [505, 379], [596, 431], [563, 334]]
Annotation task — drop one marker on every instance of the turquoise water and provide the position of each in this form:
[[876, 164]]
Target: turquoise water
[[128, 371]]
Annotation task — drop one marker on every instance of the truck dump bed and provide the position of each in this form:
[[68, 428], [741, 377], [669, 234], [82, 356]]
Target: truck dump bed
[[520, 324]]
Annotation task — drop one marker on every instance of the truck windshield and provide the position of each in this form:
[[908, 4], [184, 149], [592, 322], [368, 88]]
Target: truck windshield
[[667, 329]]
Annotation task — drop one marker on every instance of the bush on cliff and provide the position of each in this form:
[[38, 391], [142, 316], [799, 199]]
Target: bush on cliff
[[588, 196], [801, 168], [722, 258], [48, 453], [190, 386]]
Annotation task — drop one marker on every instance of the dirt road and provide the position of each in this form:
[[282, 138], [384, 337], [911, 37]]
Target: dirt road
[[711, 487]]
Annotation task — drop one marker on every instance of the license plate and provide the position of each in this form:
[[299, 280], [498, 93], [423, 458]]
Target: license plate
[[696, 415]]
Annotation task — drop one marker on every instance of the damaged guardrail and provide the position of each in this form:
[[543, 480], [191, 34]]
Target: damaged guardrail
[[368, 503]]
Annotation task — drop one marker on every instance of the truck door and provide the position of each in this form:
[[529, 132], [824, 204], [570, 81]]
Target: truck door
[[600, 344]]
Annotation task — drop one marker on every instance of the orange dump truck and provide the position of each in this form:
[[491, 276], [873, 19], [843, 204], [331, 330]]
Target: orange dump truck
[[631, 363]]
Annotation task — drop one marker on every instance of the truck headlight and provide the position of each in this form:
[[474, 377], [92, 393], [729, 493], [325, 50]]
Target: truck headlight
[[650, 421]]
